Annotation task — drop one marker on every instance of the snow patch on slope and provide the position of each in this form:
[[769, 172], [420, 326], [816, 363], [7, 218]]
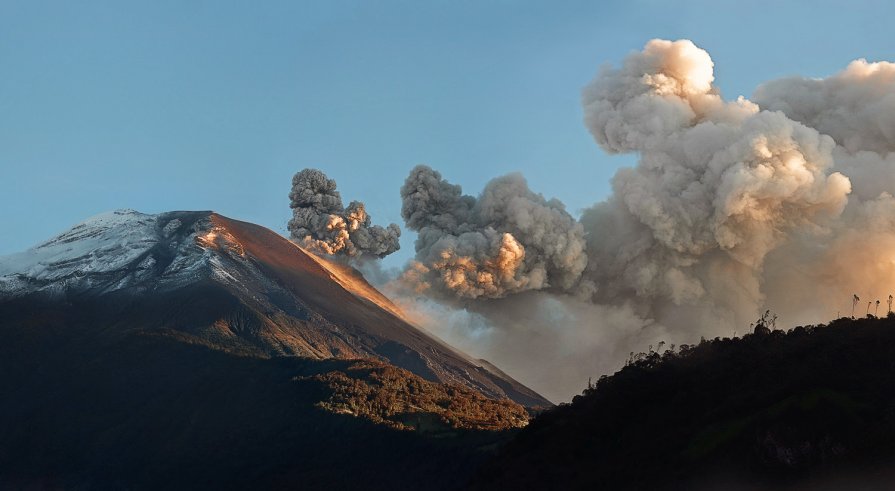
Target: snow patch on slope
[[112, 251], [105, 242]]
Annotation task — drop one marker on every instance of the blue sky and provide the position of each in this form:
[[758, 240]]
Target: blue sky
[[165, 105]]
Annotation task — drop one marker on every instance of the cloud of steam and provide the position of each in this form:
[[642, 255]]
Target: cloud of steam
[[784, 202], [507, 240], [320, 222]]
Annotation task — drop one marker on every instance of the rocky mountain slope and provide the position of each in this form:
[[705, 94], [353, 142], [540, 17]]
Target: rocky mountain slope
[[233, 286], [187, 350]]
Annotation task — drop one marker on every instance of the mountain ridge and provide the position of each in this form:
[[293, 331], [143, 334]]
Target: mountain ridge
[[248, 289]]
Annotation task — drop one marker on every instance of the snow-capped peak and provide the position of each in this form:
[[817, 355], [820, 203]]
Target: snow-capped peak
[[108, 251]]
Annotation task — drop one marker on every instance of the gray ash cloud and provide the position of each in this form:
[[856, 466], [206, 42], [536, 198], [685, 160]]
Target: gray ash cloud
[[321, 223]]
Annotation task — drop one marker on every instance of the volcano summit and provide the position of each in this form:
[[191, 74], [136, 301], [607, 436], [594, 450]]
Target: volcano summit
[[238, 286], [130, 331]]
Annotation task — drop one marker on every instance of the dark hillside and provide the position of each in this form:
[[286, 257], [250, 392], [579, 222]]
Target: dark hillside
[[769, 409], [90, 406]]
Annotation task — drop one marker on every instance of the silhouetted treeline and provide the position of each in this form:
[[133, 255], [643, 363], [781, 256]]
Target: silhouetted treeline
[[772, 408], [89, 405]]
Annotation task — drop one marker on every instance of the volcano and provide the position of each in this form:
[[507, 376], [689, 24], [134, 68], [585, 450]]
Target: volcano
[[189, 349], [239, 287]]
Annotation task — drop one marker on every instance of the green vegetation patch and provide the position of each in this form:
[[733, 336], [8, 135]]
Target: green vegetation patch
[[397, 398]]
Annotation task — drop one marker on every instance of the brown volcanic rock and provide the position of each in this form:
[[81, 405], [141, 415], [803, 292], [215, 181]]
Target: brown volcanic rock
[[342, 297]]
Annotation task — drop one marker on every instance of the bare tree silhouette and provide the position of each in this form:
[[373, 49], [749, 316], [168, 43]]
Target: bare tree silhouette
[[767, 320], [854, 303]]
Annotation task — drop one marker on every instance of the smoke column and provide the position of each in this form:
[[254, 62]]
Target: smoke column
[[321, 224], [783, 202], [507, 240], [718, 187]]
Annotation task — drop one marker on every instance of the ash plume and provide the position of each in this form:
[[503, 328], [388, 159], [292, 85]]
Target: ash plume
[[719, 185], [783, 202], [856, 106], [320, 222], [507, 240]]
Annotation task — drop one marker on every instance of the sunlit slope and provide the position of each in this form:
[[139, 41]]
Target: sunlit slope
[[341, 296]]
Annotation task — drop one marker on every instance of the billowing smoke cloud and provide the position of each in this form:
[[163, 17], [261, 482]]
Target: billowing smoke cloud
[[507, 240], [856, 106], [320, 222], [734, 206], [719, 185]]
